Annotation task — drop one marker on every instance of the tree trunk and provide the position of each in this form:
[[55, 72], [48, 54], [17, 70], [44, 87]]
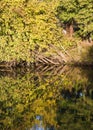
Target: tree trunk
[[71, 30]]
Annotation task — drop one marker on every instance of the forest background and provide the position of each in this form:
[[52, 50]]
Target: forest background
[[46, 32]]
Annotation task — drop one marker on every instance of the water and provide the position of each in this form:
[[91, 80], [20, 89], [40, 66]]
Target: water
[[46, 98]]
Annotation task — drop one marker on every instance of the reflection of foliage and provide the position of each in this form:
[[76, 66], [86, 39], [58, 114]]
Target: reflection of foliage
[[59, 99], [21, 100], [76, 115]]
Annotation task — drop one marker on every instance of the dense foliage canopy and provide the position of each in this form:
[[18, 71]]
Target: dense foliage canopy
[[35, 25], [26, 25], [79, 13]]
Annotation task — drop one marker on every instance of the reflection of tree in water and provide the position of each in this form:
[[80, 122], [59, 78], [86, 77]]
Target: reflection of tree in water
[[21, 100], [88, 73], [76, 104], [66, 94], [40, 126], [59, 96]]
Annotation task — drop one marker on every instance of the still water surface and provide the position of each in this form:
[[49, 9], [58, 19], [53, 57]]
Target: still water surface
[[48, 98]]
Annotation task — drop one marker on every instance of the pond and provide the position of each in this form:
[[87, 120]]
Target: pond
[[46, 98]]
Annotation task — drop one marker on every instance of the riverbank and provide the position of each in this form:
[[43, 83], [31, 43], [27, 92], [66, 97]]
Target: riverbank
[[79, 55]]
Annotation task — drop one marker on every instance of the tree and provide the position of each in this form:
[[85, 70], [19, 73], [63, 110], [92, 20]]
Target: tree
[[66, 13], [77, 13], [26, 25], [84, 18]]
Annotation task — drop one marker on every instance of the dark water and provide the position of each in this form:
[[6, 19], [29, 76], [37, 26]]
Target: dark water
[[46, 98]]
